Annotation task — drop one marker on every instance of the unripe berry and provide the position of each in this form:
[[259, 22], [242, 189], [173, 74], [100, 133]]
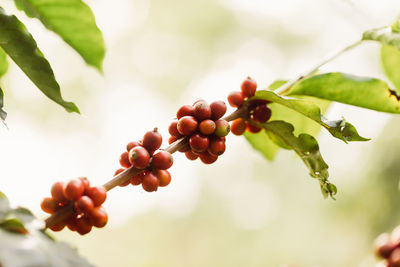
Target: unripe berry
[[187, 125], [85, 182], [173, 129], [190, 155], [124, 160], [217, 147], [57, 192], [131, 145], [98, 194], [83, 225], [262, 113], [163, 176], [248, 87], [202, 110], [207, 127], [162, 160], [150, 182], [218, 109], [49, 205], [207, 158], [199, 142], [222, 129], [98, 217], [238, 126], [73, 190], [252, 128], [235, 99], [185, 110], [139, 157], [84, 204], [152, 140]]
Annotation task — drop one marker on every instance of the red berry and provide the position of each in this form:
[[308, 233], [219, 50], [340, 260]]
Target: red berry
[[262, 113], [84, 204], [187, 125], [384, 246], [184, 148], [71, 223], [73, 190], [162, 160], [207, 158], [49, 205], [150, 182], [199, 142], [207, 127], [83, 225], [257, 102], [173, 129], [235, 99], [248, 87], [185, 110], [202, 110], [395, 258], [138, 178], [98, 194], [238, 126], [218, 109], [98, 217], [190, 155], [57, 227], [124, 160], [85, 182], [163, 176], [252, 128], [172, 139], [222, 129], [139, 157], [131, 145], [57, 192], [152, 140], [217, 147]]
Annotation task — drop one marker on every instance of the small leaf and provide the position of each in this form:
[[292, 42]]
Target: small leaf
[[261, 142], [19, 44], [74, 21], [386, 35], [339, 129], [23, 214], [13, 225], [306, 148], [3, 63], [349, 89], [276, 84], [3, 114], [390, 58]]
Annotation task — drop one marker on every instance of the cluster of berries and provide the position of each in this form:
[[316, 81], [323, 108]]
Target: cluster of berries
[[142, 156], [85, 200], [201, 123], [258, 110], [387, 247]]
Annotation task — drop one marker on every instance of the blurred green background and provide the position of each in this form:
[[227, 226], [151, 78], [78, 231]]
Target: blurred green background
[[242, 210]]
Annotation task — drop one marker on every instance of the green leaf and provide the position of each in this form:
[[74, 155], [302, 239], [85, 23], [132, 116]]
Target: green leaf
[[276, 84], [262, 143], [13, 225], [385, 35], [390, 58], [339, 129], [306, 147], [73, 21], [3, 62], [19, 44], [4, 205], [3, 114], [349, 89]]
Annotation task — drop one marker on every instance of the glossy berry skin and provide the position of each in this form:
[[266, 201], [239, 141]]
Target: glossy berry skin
[[85, 182], [139, 157], [163, 176], [190, 155], [207, 127], [217, 147], [124, 160], [248, 87], [150, 182], [57, 192], [83, 225], [49, 205], [185, 110], [202, 110], [98, 217], [173, 129], [238, 126], [199, 142], [131, 145], [187, 125], [208, 158], [222, 129], [262, 113], [84, 204], [218, 109], [152, 140], [162, 160], [235, 99], [252, 128], [138, 178], [98, 195], [73, 190]]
